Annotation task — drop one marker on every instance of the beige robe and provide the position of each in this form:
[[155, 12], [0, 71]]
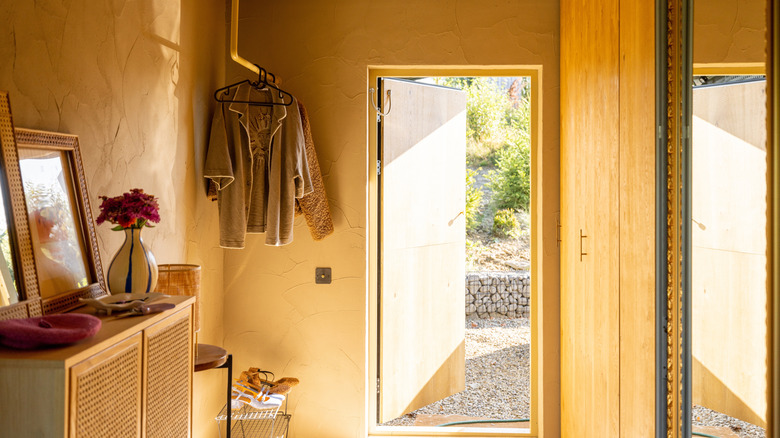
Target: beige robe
[[257, 160]]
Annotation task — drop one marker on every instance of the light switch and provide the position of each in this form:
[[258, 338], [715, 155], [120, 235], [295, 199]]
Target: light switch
[[322, 275]]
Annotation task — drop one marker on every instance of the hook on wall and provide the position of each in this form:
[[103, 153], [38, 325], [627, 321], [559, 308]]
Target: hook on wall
[[374, 104]]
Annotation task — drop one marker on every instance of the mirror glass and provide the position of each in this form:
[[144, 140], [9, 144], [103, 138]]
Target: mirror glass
[[60, 254], [728, 252], [8, 288]]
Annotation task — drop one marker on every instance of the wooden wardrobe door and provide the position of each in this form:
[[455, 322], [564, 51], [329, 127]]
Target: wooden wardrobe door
[[590, 355]]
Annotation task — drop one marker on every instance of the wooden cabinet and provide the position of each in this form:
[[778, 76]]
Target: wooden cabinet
[[608, 218], [132, 379], [590, 360]]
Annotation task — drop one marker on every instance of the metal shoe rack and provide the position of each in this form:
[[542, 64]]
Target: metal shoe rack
[[248, 422]]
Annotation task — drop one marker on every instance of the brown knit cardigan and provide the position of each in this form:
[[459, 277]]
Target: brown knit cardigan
[[314, 206]]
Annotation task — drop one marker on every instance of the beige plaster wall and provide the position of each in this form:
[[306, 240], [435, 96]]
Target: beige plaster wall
[[729, 31], [133, 79], [275, 316]]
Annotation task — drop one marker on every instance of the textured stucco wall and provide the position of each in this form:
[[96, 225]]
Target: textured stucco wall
[[275, 316], [133, 80], [729, 31]]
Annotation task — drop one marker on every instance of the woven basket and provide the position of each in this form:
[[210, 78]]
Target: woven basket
[[181, 280]]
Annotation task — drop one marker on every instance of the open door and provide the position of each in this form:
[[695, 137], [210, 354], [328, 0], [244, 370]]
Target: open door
[[422, 249]]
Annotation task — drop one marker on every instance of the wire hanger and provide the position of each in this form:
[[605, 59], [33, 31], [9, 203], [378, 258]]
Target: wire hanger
[[222, 94]]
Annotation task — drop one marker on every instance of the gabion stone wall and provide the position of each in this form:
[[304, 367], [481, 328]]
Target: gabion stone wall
[[498, 294]]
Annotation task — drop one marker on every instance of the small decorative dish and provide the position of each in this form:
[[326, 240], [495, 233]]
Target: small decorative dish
[[48, 331], [121, 302]]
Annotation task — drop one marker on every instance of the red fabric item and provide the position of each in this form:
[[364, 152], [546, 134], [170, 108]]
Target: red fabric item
[[45, 331]]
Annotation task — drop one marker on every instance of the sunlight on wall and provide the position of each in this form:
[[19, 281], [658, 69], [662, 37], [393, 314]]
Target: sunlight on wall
[[729, 250], [727, 31], [133, 79], [276, 318]]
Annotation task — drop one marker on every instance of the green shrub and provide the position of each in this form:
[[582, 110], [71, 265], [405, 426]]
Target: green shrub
[[486, 107], [498, 131], [511, 181], [492, 117], [474, 250], [505, 223], [473, 201]]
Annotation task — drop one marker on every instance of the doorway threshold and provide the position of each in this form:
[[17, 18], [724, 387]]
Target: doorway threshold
[[451, 431]]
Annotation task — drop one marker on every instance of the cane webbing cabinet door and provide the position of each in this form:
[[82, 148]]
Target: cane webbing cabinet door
[[105, 396], [132, 379], [168, 383]]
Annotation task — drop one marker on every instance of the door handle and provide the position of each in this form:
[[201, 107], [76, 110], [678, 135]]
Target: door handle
[[582, 236], [558, 232], [452, 221]]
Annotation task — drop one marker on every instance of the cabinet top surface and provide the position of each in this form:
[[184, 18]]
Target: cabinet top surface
[[113, 329]]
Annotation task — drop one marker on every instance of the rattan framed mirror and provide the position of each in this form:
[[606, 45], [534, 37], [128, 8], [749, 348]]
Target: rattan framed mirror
[[19, 295], [62, 228]]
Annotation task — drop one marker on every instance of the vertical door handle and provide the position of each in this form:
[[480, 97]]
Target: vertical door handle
[[582, 236], [558, 232]]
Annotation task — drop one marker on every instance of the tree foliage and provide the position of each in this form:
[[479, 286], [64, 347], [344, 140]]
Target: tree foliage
[[488, 109], [498, 135], [473, 201], [505, 224], [511, 181]]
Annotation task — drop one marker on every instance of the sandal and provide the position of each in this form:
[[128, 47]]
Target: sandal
[[258, 400], [254, 374], [280, 389]]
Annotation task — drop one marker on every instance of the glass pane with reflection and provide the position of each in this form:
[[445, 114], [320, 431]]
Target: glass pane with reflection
[[60, 255], [8, 290], [728, 254]]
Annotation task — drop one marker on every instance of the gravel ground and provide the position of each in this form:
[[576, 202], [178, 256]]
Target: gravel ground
[[707, 417], [498, 380], [498, 374]]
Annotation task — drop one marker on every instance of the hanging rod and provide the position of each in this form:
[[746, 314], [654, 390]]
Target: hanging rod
[[234, 40]]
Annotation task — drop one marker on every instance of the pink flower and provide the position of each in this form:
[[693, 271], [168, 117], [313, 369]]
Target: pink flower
[[134, 209]]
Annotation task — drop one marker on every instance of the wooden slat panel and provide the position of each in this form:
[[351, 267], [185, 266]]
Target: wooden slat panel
[[422, 355], [637, 218], [589, 202], [19, 402]]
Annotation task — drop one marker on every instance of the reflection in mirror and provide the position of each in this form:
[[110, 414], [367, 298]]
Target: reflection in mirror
[[48, 188], [8, 288], [728, 252]]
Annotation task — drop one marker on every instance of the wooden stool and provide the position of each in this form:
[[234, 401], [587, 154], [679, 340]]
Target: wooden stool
[[211, 357]]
